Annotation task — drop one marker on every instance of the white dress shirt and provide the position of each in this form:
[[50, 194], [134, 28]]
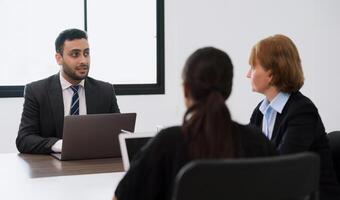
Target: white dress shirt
[[68, 93], [67, 99]]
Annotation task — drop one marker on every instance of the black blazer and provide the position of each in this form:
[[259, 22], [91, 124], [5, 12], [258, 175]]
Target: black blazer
[[153, 170], [43, 113], [299, 128]]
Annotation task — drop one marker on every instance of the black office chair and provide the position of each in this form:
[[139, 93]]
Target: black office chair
[[272, 178], [334, 142]]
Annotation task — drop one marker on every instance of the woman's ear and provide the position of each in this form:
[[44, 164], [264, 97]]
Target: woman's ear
[[270, 75], [185, 90], [187, 99]]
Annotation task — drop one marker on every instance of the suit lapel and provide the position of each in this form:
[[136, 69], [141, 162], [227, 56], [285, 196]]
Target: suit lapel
[[275, 134], [57, 104], [258, 117], [259, 121], [90, 94]]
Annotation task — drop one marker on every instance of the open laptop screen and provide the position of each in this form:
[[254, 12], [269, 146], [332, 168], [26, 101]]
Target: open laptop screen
[[130, 144]]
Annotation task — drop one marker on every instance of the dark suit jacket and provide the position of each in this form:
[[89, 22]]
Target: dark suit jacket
[[43, 113], [299, 128]]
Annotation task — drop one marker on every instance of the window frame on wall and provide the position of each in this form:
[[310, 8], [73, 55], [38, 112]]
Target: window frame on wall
[[122, 89]]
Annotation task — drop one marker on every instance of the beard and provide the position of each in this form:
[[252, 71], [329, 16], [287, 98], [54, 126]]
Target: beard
[[72, 74]]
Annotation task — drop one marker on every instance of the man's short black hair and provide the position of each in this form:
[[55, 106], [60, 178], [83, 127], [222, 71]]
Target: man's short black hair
[[68, 34]]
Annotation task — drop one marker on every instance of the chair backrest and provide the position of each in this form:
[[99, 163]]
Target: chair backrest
[[281, 178], [334, 142]]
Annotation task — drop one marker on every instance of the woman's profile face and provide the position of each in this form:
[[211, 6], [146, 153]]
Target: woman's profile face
[[260, 78]]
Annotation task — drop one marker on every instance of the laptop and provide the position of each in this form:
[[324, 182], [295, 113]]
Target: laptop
[[130, 144], [94, 136]]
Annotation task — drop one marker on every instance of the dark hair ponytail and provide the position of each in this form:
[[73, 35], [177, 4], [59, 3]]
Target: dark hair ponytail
[[207, 123]]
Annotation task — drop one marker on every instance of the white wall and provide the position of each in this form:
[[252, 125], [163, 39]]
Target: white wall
[[234, 26]]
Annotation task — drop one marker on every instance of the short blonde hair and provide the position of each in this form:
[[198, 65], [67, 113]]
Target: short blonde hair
[[279, 54]]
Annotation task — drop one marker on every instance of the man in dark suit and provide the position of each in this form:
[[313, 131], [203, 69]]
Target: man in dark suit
[[70, 92]]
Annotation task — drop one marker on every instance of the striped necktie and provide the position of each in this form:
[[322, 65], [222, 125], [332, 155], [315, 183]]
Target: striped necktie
[[75, 100]]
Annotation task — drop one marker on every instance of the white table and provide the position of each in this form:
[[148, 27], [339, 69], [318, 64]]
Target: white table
[[17, 182]]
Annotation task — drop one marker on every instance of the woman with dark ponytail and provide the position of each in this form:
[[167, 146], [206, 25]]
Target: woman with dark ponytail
[[208, 131], [207, 78]]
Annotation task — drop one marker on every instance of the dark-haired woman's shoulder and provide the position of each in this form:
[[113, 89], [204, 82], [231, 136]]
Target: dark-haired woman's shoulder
[[253, 143], [170, 133], [169, 138], [154, 167], [165, 143]]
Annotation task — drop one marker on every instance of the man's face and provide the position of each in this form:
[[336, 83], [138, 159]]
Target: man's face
[[75, 60]]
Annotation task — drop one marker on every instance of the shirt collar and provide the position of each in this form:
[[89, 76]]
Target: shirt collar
[[65, 84], [278, 103]]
